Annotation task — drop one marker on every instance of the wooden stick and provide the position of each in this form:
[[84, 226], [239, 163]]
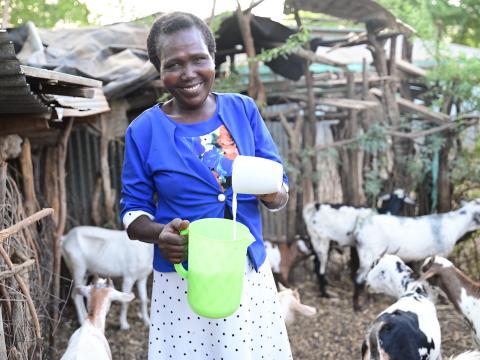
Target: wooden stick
[[25, 292], [3, 348], [31, 203], [62, 216], [16, 269], [23, 223]]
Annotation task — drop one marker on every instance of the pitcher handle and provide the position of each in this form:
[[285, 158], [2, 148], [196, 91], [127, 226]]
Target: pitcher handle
[[179, 267], [181, 270]]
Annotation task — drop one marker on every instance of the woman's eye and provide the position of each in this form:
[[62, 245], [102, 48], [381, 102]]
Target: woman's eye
[[172, 66]]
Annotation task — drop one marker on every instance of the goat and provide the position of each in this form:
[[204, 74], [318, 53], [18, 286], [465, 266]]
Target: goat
[[409, 328], [326, 222], [283, 256], [108, 253], [88, 341], [463, 292], [290, 303], [389, 275], [413, 238], [394, 203], [469, 355]]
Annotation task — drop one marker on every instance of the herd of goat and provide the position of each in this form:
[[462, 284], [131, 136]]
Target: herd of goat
[[381, 241]]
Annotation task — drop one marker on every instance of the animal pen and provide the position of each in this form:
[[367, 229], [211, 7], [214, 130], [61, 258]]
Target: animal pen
[[62, 135]]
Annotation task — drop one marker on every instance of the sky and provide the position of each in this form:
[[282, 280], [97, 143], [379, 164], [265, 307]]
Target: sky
[[110, 11]]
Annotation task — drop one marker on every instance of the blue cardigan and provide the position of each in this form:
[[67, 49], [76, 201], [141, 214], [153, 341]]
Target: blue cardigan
[[162, 177]]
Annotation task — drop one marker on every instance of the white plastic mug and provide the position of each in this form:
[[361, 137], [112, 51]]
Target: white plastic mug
[[255, 175]]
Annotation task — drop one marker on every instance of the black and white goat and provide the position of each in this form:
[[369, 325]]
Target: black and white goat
[[409, 328], [463, 292], [389, 275], [413, 238], [326, 222]]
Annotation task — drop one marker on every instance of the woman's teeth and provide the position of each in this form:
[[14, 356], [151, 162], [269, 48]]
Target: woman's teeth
[[193, 88]]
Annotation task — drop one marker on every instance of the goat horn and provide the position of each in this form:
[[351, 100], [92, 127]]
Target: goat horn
[[396, 251]]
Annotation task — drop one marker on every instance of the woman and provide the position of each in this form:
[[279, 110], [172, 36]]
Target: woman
[[177, 169]]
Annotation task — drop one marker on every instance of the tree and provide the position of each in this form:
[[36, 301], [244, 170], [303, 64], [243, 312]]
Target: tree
[[455, 21], [48, 13]]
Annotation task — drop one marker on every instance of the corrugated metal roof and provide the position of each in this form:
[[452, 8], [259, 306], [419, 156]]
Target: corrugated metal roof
[[15, 93], [35, 91]]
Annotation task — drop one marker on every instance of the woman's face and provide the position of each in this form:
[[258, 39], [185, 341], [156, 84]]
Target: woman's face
[[187, 68]]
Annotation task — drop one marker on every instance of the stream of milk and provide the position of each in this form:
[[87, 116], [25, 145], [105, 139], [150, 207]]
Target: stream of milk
[[234, 212]]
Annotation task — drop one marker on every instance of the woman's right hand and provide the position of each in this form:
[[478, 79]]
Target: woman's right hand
[[172, 245]]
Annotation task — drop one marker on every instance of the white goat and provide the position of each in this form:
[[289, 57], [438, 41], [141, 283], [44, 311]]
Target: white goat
[[413, 238], [89, 342], [290, 303], [327, 223], [463, 292], [108, 253], [409, 328], [469, 355]]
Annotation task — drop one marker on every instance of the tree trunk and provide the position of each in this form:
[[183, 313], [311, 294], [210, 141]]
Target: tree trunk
[[400, 151], [354, 179], [256, 89], [105, 171], [6, 14], [444, 185]]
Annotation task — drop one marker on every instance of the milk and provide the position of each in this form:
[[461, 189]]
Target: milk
[[234, 213]]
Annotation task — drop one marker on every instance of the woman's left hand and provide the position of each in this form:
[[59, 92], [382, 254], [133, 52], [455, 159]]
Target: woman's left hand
[[275, 200], [269, 198]]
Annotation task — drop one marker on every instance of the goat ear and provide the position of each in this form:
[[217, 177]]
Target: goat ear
[[121, 296], [385, 197], [428, 264], [83, 290], [410, 199]]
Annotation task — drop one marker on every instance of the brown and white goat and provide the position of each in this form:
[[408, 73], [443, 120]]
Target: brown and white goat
[[463, 292], [89, 342], [290, 303]]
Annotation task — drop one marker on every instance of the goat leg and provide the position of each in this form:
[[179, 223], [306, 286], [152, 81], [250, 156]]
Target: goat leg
[[357, 288]]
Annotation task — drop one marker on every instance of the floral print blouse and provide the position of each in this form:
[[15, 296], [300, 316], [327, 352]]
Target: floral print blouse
[[216, 150]]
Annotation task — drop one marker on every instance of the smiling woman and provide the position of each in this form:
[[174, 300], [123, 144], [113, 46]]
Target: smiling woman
[[178, 163]]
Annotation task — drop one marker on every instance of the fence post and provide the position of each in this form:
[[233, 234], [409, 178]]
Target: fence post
[[3, 188]]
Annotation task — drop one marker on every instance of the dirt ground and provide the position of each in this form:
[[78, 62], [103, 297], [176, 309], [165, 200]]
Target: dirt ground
[[335, 332]]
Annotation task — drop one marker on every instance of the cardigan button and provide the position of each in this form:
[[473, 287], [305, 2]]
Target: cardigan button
[[221, 197]]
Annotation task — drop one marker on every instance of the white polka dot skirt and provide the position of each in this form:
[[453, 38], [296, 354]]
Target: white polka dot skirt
[[255, 331]]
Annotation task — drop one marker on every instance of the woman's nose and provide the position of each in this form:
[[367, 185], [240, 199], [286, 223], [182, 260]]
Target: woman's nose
[[188, 71]]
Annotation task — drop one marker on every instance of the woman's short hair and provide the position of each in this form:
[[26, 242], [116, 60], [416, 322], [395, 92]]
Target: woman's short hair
[[171, 23]]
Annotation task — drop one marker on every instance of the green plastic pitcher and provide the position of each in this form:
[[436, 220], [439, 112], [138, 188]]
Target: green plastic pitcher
[[216, 266]]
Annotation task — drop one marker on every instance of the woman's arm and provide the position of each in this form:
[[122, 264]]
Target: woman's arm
[[172, 245]]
